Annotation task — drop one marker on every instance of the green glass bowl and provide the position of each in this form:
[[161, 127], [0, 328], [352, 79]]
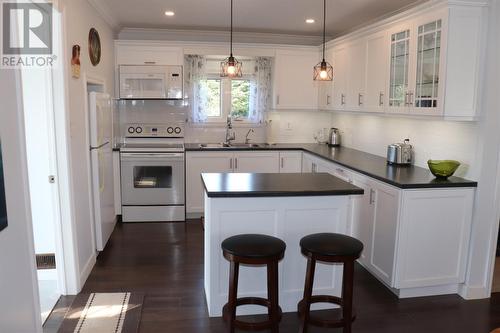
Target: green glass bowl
[[443, 168]]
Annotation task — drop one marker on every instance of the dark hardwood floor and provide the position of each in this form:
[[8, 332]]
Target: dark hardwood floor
[[165, 261]]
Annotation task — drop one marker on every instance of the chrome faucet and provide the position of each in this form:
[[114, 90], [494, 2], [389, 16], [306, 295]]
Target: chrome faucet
[[247, 139], [230, 134]]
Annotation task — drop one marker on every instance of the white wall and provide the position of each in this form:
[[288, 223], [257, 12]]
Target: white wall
[[296, 126], [79, 18], [431, 139], [19, 307]]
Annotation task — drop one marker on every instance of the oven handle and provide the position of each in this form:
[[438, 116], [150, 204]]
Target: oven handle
[[148, 156]]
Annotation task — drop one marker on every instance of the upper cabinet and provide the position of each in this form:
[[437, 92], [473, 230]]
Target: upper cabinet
[[426, 64], [139, 53], [294, 88]]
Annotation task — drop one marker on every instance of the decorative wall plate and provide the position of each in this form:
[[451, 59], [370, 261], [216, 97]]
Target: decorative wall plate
[[94, 47]]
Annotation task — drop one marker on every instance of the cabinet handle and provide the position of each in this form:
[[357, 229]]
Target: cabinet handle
[[277, 99], [235, 163], [282, 162], [231, 163], [360, 99], [406, 99], [410, 98], [342, 99], [372, 196], [314, 168], [149, 62], [340, 170], [381, 99], [327, 99]]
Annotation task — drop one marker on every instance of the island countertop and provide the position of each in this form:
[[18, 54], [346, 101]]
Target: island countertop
[[224, 185]]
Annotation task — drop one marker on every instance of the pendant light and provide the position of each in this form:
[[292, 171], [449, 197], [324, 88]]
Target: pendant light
[[323, 71], [231, 67]]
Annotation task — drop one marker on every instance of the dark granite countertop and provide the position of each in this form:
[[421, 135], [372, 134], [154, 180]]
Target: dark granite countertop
[[275, 185], [405, 177]]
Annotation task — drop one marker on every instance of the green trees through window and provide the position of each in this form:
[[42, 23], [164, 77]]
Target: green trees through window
[[223, 97]]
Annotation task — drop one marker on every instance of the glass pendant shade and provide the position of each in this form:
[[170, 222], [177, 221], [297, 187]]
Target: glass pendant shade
[[231, 67], [323, 71]]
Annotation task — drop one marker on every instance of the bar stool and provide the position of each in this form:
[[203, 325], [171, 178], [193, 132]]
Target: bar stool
[[331, 248], [253, 249]]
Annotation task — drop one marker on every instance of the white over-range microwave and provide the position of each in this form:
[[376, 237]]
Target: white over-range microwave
[[151, 82]]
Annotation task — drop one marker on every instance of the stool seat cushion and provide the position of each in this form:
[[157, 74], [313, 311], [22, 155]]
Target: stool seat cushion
[[253, 246], [330, 244]]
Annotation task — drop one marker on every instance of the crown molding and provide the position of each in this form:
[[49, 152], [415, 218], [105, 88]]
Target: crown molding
[[216, 36], [105, 12]]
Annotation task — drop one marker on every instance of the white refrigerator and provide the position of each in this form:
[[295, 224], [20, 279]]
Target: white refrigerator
[[101, 156]]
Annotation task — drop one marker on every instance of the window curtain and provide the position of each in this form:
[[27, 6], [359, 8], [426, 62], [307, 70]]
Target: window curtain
[[260, 93], [195, 72]]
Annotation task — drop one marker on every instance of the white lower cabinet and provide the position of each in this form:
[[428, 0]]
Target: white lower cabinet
[[198, 163], [240, 161], [256, 162], [290, 162], [415, 240]]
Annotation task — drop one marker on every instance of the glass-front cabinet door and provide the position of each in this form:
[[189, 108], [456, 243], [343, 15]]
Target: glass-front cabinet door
[[428, 53], [399, 70]]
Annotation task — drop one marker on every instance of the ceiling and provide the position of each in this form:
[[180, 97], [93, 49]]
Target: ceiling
[[268, 16]]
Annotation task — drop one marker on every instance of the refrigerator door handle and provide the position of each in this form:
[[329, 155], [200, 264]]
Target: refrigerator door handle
[[99, 147]]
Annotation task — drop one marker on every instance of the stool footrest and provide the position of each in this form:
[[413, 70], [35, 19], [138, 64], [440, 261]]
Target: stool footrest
[[247, 325], [324, 322]]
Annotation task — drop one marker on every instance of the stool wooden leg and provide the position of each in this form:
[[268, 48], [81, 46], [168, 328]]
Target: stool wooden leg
[[272, 295], [308, 288], [234, 268], [347, 291]]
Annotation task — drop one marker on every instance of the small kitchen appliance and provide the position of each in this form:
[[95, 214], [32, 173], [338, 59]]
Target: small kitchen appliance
[[400, 153], [334, 137], [151, 82]]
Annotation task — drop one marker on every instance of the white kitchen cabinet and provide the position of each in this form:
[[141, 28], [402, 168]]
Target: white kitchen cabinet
[[376, 73], [294, 88], [415, 240], [198, 163], [434, 237], [290, 162], [138, 53], [341, 76], [256, 161], [357, 75]]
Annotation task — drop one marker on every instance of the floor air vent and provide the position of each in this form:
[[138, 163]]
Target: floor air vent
[[46, 261]]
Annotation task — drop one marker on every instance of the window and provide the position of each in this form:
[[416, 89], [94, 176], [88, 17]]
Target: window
[[226, 97]]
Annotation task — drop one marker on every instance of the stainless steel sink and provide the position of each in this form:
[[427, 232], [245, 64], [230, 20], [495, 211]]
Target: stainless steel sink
[[232, 145]]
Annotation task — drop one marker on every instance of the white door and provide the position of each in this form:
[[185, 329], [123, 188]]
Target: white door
[[356, 79], [341, 60], [101, 155], [291, 162], [293, 80], [196, 164], [256, 162], [377, 68], [385, 224], [362, 218]]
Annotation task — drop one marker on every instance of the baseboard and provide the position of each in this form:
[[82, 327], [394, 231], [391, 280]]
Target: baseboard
[[85, 272], [473, 292], [193, 215]]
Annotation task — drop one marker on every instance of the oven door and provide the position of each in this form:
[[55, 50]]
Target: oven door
[[152, 179]]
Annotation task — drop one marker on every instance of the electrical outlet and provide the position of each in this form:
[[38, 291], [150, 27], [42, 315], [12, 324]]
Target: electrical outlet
[[289, 126]]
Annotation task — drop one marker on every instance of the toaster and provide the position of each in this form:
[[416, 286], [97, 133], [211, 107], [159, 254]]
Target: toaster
[[400, 153]]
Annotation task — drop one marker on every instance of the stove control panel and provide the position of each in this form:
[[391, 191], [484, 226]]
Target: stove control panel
[[170, 130]]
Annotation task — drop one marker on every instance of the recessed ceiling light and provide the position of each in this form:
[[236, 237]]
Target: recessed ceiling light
[[169, 13], [310, 21]]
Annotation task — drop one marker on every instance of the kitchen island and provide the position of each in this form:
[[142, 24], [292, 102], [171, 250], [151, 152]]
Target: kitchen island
[[287, 206]]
